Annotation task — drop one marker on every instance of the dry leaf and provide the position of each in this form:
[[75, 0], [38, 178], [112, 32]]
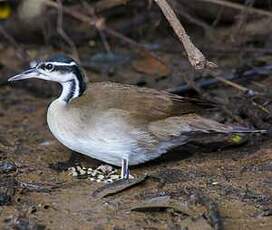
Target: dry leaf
[[151, 66]]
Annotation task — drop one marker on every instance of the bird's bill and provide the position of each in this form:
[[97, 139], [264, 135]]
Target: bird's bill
[[30, 73]]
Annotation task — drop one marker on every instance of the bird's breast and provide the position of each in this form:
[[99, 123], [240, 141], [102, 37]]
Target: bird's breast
[[104, 135]]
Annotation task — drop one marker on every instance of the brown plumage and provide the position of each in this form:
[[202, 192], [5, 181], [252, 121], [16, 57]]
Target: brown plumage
[[143, 103]]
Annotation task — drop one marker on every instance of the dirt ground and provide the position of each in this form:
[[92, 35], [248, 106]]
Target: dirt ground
[[228, 187], [199, 187]]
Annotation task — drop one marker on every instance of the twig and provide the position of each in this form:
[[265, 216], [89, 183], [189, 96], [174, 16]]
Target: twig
[[22, 55], [36, 187], [9, 38], [236, 86], [243, 17], [209, 31], [195, 56], [62, 33], [204, 83], [241, 7], [108, 4], [97, 23], [99, 26], [93, 22]]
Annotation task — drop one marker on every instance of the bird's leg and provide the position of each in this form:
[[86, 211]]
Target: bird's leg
[[124, 170]]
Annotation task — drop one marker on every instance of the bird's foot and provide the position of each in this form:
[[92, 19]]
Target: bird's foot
[[103, 173]]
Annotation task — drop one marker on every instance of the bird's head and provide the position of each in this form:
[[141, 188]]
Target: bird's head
[[59, 68]]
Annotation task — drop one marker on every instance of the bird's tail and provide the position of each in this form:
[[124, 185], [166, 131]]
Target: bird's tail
[[198, 123], [240, 129]]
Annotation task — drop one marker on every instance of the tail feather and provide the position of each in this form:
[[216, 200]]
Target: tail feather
[[240, 129], [191, 123]]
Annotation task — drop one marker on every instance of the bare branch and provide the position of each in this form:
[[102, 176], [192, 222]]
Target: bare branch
[[96, 23], [195, 56]]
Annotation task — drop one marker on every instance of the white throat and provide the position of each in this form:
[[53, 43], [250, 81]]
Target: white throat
[[70, 90]]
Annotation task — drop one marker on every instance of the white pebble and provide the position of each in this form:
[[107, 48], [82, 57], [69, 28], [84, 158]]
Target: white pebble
[[82, 172], [74, 173], [108, 181], [112, 172], [105, 168], [78, 168], [72, 169], [114, 177], [100, 177]]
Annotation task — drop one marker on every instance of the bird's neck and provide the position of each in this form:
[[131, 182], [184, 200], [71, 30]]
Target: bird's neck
[[72, 89]]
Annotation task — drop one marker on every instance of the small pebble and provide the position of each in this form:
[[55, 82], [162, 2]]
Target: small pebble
[[113, 172], [78, 168], [108, 181], [74, 174], [82, 172], [71, 170], [105, 168], [101, 177], [114, 177], [7, 166]]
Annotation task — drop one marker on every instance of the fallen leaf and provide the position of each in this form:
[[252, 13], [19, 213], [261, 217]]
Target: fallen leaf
[[164, 203], [117, 187], [151, 66]]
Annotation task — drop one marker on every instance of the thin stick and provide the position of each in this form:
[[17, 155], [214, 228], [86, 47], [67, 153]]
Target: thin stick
[[241, 7], [195, 56], [22, 55], [102, 35], [236, 86], [62, 33], [97, 23], [108, 4]]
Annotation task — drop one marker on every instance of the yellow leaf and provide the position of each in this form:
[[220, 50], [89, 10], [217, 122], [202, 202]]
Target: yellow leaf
[[5, 11], [236, 139]]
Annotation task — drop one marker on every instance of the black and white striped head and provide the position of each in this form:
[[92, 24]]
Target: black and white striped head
[[59, 68]]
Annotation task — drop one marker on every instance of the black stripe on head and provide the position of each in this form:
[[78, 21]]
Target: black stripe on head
[[80, 77], [72, 89], [69, 66], [60, 58], [63, 69], [79, 74]]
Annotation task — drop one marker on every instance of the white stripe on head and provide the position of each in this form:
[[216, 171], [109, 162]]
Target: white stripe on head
[[61, 63]]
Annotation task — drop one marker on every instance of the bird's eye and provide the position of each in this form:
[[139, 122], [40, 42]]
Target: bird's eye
[[49, 67]]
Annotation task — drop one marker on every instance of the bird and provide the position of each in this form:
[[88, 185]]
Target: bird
[[120, 124]]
